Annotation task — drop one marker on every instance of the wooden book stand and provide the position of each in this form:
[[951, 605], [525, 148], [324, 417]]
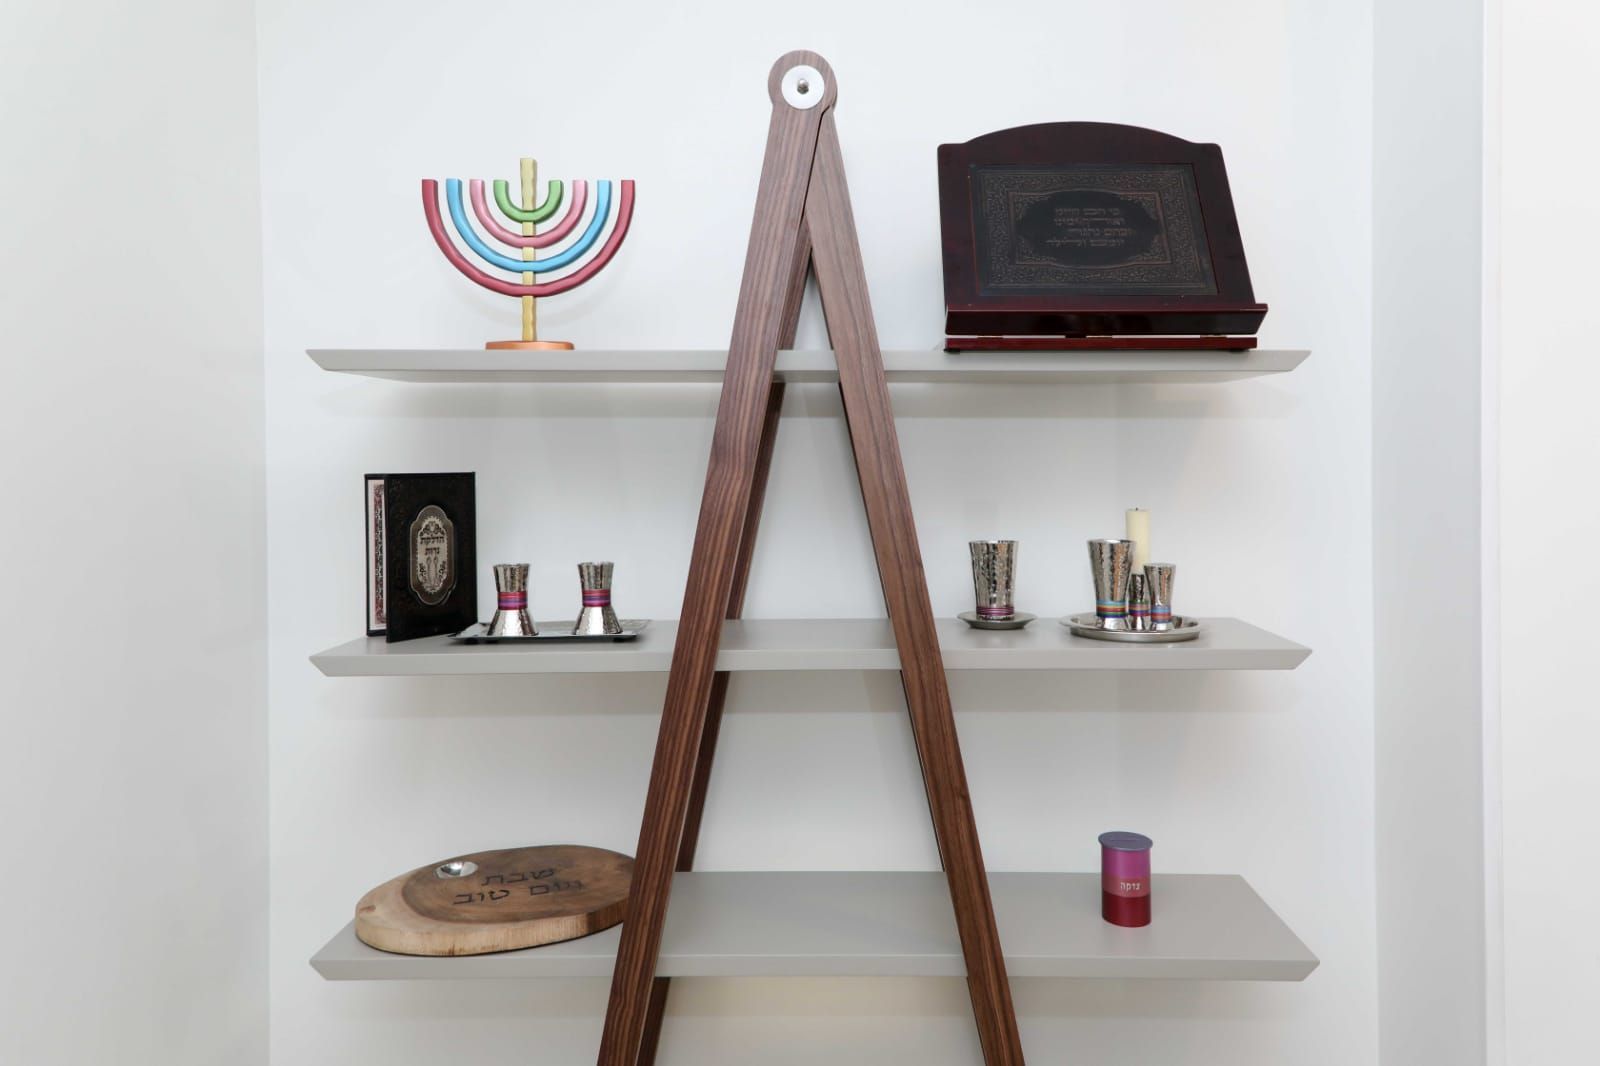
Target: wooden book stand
[[802, 219]]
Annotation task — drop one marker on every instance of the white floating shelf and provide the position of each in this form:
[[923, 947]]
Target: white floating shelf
[[822, 644], [646, 366], [870, 924]]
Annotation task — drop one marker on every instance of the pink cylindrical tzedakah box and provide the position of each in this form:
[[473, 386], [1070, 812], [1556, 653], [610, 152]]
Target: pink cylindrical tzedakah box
[[1125, 878]]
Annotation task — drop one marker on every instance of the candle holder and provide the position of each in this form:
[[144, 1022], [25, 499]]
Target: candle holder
[[586, 255]]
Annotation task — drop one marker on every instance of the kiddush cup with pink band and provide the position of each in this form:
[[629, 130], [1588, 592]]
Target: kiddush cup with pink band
[[1125, 878], [994, 578], [511, 602], [597, 616]]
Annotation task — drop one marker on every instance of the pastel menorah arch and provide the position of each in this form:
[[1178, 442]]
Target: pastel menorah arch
[[581, 257]]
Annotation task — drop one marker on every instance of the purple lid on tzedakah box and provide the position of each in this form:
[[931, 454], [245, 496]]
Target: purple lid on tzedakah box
[[1122, 841]]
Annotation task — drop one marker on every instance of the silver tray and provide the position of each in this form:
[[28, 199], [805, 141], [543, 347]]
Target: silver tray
[[1088, 625], [552, 633], [1016, 621]]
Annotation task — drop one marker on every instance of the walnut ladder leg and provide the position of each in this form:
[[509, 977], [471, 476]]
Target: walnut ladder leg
[[802, 202], [719, 683]]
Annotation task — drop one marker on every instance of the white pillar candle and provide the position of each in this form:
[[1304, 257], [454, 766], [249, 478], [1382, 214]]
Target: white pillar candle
[[1139, 532]]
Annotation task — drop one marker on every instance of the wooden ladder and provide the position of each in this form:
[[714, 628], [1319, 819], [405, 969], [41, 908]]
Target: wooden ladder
[[802, 221]]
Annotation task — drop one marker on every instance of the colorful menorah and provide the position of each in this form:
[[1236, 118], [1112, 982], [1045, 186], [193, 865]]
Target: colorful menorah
[[529, 240]]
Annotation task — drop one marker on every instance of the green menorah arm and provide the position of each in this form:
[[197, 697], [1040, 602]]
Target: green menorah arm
[[552, 203]]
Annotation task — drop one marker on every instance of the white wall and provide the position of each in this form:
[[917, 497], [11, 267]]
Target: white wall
[[1549, 506], [1260, 490], [1427, 419], [133, 770]]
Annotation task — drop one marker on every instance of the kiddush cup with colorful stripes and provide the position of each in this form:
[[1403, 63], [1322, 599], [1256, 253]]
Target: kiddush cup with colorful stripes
[[1112, 564], [994, 578], [597, 616], [1158, 578], [1138, 603], [511, 602]]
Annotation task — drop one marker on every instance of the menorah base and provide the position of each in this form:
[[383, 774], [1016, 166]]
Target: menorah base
[[543, 345]]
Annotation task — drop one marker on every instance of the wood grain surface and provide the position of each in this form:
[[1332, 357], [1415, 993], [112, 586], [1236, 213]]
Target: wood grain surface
[[515, 898], [802, 215], [719, 684], [842, 282], [775, 237]]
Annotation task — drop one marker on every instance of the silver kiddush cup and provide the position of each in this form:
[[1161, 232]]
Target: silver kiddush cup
[[1138, 603], [994, 578], [1112, 563], [511, 592], [1158, 578], [597, 617]]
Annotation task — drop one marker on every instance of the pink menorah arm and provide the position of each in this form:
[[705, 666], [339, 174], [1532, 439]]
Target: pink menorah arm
[[430, 207], [480, 207]]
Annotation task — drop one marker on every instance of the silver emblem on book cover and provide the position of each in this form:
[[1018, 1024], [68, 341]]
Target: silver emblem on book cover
[[433, 555]]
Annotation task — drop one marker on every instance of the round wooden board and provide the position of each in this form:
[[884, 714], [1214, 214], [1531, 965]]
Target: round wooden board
[[515, 898]]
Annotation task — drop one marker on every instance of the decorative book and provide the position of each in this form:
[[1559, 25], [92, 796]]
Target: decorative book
[[421, 544]]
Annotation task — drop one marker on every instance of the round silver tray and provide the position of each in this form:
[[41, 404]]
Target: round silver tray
[[1088, 625], [1016, 621]]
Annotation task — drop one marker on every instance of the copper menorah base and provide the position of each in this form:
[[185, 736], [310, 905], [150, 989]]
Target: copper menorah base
[[562, 346]]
